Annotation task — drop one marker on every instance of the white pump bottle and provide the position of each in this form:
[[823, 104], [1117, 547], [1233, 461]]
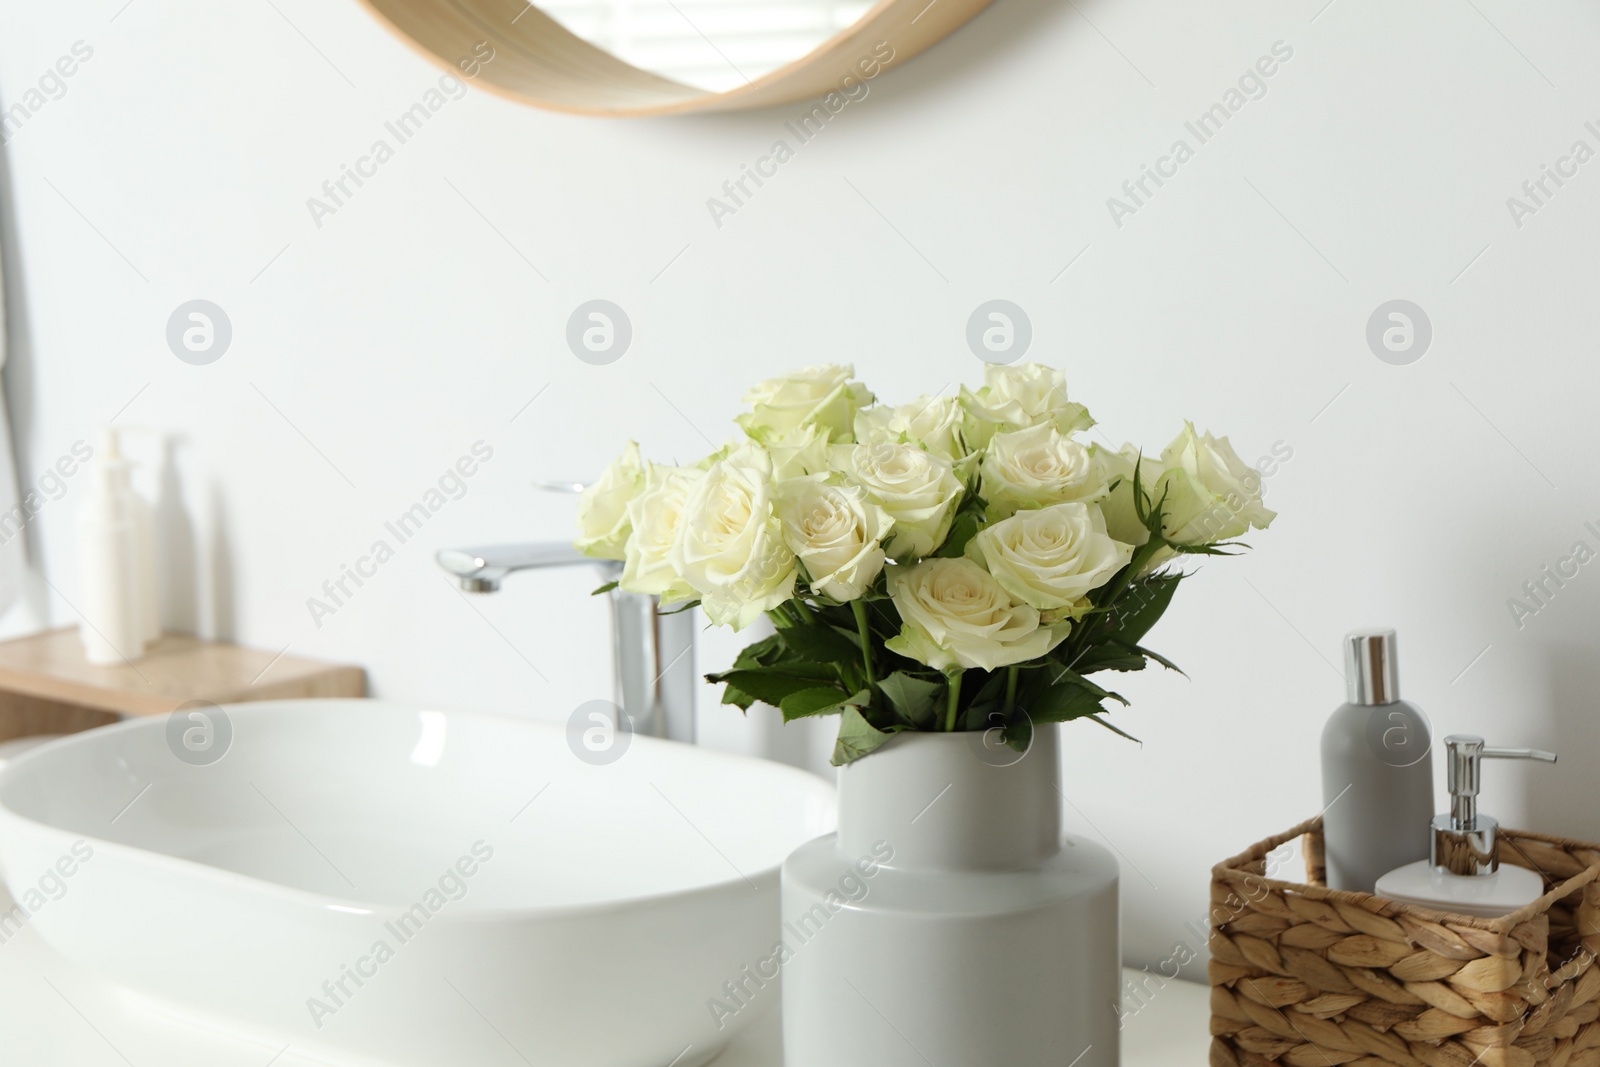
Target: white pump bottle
[[113, 626], [1463, 874]]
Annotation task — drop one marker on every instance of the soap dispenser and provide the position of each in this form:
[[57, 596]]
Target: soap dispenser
[[1463, 873], [113, 628]]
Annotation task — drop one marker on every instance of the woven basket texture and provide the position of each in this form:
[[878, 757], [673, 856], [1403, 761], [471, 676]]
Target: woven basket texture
[[1306, 976]]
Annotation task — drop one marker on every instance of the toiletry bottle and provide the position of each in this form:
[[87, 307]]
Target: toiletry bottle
[[1377, 774], [144, 559], [113, 627], [1463, 873]]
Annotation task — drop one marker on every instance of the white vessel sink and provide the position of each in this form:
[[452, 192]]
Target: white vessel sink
[[401, 883]]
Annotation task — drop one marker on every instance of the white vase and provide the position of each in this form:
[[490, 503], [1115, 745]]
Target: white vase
[[949, 923]]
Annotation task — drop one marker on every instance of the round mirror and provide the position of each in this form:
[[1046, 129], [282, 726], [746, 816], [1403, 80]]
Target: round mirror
[[651, 57], [715, 45]]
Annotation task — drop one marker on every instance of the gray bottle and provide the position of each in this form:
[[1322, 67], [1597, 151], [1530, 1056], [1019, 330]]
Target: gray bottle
[[1377, 770]]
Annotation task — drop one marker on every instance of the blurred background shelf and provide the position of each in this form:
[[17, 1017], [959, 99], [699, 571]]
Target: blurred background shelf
[[48, 687]]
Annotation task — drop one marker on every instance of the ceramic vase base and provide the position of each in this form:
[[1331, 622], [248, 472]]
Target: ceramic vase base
[[1016, 968], [961, 932]]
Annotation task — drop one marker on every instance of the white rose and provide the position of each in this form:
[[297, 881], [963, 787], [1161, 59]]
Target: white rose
[[1122, 518], [918, 490], [824, 397], [799, 454], [932, 423], [656, 514], [836, 531], [1211, 494], [603, 507], [730, 548], [1051, 559], [1014, 398], [706, 462], [1037, 467], [954, 614]]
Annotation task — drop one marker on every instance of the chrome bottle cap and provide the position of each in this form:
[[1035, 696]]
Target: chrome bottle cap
[[1371, 674]]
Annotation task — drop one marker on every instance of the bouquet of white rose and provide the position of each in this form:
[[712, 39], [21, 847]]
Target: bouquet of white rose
[[955, 563]]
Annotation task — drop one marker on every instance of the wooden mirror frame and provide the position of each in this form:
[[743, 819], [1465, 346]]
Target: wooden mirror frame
[[537, 61]]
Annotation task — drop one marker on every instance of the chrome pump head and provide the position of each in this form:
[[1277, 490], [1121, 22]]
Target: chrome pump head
[[1464, 841]]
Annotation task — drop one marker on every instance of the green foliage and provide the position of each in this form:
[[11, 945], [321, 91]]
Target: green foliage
[[1110, 656], [821, 643], [915, 700], [773, 685], [858, 737], [1140, 607], [965, 526], [823, 700]]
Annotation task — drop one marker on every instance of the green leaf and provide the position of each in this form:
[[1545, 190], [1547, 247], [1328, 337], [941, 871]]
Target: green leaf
[[916, 700], [1019, 732], [992, 689], [1140, 606], [858, 737], [772, 686], [1215, 548], [1159, 658], [1115, 730], [985, 715], [1141, 498], [762, 653], [1062, 703], [965, 527], [982, 715], [1150, 513], [1109, 656], [818, 701], [821, 643], [752, 657], [1063, 676], [732, 694], [605, 588]]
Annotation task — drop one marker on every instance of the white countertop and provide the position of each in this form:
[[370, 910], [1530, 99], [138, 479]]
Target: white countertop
[[53, 1014]]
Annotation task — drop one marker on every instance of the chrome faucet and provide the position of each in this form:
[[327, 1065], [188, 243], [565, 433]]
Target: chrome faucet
[[481, 570], [654, 654]]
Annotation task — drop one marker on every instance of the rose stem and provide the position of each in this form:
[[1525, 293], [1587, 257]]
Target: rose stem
[[955, 695], [1011, 692], [859, 608]]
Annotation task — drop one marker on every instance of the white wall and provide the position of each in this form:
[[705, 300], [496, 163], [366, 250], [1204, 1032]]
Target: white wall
[[405, 328]]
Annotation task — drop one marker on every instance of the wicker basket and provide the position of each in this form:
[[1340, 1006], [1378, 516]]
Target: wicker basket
[[1307, 976]]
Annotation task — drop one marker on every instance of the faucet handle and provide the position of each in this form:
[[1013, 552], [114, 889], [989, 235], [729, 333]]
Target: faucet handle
[[559, 485]]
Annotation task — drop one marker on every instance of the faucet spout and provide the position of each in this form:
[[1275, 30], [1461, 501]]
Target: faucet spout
[[653, 654], [481, 570]]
